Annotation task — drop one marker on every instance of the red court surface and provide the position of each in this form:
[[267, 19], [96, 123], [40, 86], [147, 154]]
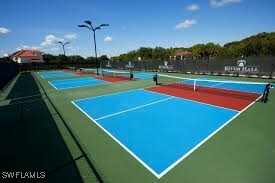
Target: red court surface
[[79, 73], [235, 100]]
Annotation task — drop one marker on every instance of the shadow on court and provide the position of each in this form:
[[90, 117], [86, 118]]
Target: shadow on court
[[30, 139]]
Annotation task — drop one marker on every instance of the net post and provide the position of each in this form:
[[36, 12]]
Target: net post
[[131, 75], [266, 92], [155, 78], [195, 84]]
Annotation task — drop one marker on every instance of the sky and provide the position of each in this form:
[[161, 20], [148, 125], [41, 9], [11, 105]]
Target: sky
[[32, 24]]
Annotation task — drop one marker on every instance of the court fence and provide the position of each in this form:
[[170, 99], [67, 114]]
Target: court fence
[[8, 70], [252, 67]]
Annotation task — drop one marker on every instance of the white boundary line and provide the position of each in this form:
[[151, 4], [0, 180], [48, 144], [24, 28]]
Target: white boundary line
[[70, 82], [180, 159], [81, 86], [134, 108], [71, 79], [116, 140], [60, 77], [86, 80], [78, 78], [56, 76], [76, 86], [52, 85]]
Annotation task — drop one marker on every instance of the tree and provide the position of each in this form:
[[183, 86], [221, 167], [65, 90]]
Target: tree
[[103, 58], [159, 53], [145, 53], [50, 59]]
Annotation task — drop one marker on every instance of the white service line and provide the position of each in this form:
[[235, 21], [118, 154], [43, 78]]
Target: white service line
[[134, 108]]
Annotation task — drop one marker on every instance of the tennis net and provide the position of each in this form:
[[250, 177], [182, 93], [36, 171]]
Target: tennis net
[[234, 89], [117, 74], [88, 70]]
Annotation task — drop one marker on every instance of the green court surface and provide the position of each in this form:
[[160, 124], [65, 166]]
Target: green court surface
[[42, 130]]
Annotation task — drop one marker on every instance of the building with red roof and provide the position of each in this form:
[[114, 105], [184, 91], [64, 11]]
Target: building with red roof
[[27, 56], [181, 55]]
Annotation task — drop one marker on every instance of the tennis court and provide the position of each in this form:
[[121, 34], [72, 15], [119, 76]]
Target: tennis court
[[74, 83], [160, 128], [55, 74]]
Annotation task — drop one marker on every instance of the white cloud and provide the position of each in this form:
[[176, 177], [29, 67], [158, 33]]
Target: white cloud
[[108, 39], [5, 54], [186, 24], [54, 49], [73, 48], [27, 47], [50, 40], [193, 7], [219, 3], [70, 36], [4, 30]]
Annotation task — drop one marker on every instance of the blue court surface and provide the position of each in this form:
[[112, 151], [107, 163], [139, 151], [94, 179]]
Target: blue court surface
[[56, 74], [143, 75], [73, 83], [158, 130]]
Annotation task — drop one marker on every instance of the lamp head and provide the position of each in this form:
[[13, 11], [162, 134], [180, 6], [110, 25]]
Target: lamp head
[[104, 25], [88, 22]]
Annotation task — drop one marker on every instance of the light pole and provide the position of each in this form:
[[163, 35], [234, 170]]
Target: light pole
[[63, 44], [89, 26]]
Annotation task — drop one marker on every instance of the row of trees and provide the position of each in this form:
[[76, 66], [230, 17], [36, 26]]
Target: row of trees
[[262, 44], [54, 59]]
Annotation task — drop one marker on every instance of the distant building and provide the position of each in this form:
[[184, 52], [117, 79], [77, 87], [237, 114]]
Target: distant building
[[181, 55], [27, 56]]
